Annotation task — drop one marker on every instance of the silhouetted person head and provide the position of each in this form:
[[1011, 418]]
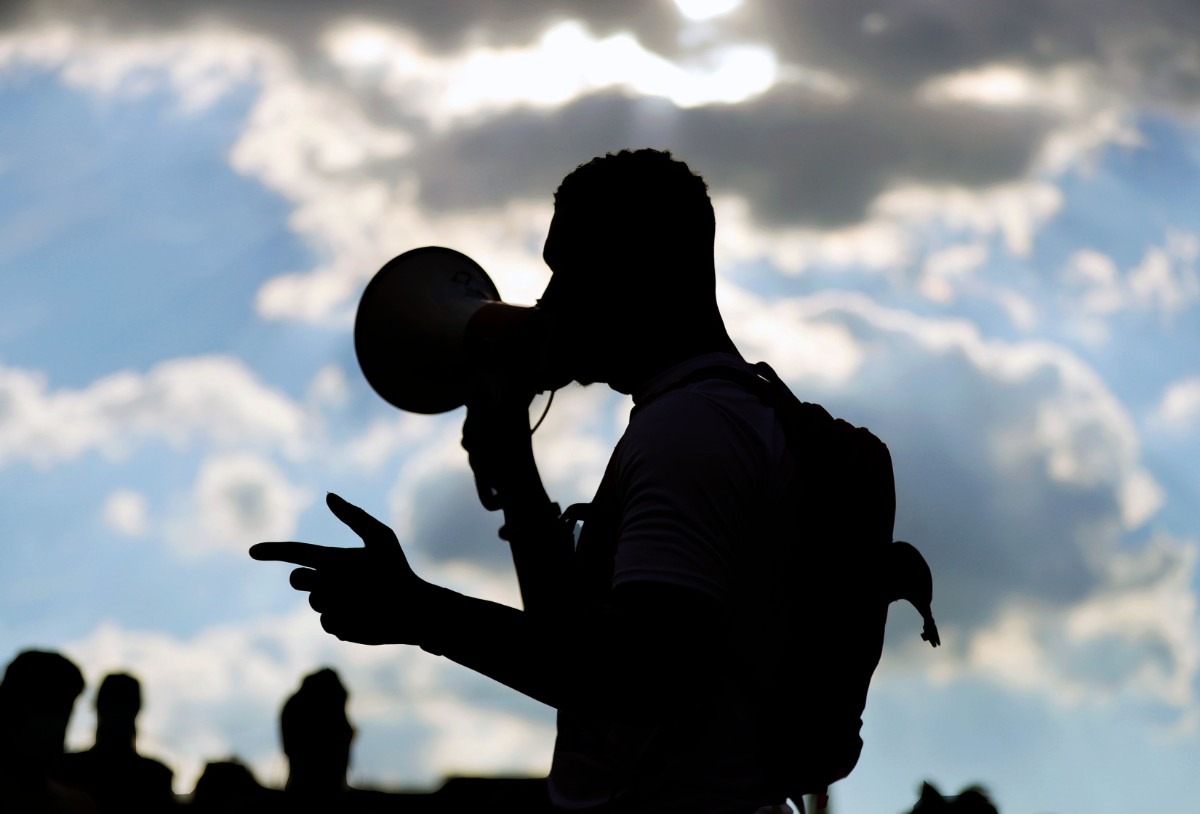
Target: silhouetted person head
[[973, 800], [37, 696], [118, 702], [225, 786], [634, 283], [316, 734]]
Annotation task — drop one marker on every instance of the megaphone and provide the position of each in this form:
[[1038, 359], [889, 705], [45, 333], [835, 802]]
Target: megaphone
[[431, 323]]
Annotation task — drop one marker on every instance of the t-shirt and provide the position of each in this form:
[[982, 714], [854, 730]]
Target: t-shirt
[[693, 487]]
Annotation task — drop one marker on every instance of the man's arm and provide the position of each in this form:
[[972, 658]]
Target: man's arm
[[652, 655], [643, 659]]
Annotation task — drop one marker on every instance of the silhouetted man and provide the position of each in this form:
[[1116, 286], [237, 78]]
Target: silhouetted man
[[37, 696], [112, 771], [316, 737], [661, 632]]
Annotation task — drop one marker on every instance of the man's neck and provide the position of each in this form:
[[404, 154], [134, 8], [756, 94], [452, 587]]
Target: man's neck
[[650, 365], [116, 740]]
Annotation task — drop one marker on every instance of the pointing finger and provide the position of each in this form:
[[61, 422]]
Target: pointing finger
[[313, 556], [374, 533]]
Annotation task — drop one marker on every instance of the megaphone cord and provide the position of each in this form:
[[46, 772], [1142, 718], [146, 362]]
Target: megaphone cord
[[549, 401]]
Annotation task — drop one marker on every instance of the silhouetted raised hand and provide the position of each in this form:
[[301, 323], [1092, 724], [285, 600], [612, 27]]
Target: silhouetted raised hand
[[368, 595]]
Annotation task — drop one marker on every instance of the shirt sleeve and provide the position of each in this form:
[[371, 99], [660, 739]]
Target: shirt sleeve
[[690, 481]]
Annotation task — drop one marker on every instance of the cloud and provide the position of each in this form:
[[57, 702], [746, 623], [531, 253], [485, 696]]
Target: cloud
[[1164, 282], [125, 512], [1144, 49], [485, 80], [797, 157], [1133, 637], [359, 124], [1179, 409], [180, 401], [238, 498], [945, 267]]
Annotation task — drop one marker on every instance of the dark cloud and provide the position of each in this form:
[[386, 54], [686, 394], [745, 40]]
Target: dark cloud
[[800, 159], [299, 24], [900, 43]]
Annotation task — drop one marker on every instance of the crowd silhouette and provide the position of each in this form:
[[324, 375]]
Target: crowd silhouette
[[39, 691]]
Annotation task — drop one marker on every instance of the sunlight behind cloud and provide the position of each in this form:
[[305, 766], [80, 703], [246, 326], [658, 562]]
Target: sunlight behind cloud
[[1065, 88], [567, 62], [700, 10]]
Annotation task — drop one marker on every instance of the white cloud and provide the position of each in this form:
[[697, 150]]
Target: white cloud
[[1179, 409], [565, 63], [1165, 281], [703, 10], [125, 512], [1015, 210], [793, 336], [179, 401], [879, 244], [1134, 636], [384, 438], [328, 386], [238, 498], [945, 267]]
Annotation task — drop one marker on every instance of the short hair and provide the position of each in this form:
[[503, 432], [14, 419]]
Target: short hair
[[119, 693], [648, 194], [315, 711]]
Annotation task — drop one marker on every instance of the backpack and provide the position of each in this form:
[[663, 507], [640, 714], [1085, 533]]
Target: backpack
[[850, 571]]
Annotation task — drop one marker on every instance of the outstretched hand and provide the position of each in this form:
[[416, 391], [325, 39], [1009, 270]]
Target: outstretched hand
[[369, 594]]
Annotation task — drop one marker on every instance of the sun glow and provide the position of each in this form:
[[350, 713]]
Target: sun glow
[[565, 63], [701, 10]]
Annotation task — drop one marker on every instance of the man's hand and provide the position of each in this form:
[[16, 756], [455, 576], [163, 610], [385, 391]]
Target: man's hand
[[496, 436], [368, 595]]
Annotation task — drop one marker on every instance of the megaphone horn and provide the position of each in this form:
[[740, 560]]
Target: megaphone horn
[[427, 323]]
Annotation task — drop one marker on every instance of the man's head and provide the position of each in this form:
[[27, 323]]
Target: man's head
[[631, 249], [118, 702], [37, 696], [315, 731]]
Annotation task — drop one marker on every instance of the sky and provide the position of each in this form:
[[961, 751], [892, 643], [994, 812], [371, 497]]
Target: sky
[[973, 228]]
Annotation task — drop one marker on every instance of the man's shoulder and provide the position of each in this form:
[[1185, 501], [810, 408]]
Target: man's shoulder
[[710, 408], [677, 416]]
